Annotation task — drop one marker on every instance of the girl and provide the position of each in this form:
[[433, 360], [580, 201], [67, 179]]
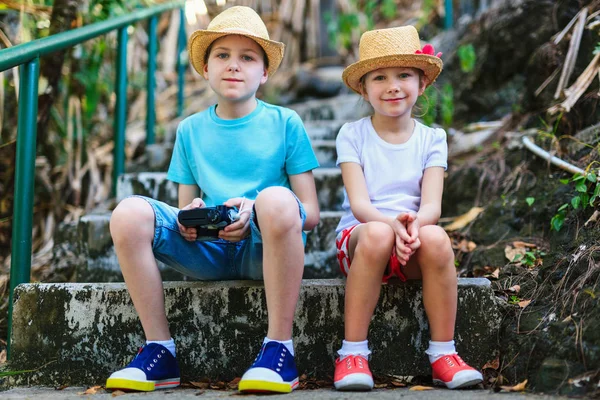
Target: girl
[[393, 171]]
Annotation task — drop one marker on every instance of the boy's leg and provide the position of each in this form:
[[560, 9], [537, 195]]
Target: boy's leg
[[280, 218], [132, 230], [369, 248], [434, 263]]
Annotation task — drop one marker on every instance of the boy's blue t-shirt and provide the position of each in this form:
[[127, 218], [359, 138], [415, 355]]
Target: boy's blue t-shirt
[[240, 157]]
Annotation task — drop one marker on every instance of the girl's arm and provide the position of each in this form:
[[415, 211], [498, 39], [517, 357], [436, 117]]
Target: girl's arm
[[358, 195], [432, 187], [187, 193], [303, 186]]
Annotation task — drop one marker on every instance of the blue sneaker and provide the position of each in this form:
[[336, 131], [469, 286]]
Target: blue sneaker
[[274, 370], [154, 367]]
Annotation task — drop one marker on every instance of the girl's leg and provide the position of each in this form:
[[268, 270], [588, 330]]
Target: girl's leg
[[434, 264], [279, 220], [132, 230], [370, 248]]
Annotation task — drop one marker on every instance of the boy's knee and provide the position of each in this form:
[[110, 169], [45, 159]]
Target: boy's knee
[[277, 209], [133, 217]]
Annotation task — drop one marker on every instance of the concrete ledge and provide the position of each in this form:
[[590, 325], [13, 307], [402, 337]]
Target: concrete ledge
[[97, 261], [89, 330]]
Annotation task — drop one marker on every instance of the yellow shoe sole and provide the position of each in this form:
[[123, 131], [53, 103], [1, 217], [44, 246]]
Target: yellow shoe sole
[[263, 386], [127, 384]]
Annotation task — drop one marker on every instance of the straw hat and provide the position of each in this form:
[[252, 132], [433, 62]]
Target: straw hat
[[393, 47], [235, 21]]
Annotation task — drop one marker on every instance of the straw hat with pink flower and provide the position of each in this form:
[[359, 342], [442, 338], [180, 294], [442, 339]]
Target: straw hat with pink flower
[[392, 47]]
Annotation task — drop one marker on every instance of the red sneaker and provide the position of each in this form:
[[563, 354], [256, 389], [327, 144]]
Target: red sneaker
[[352, 373], [454, 373]]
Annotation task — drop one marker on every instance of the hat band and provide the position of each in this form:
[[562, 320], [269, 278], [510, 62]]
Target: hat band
[[239, 30]]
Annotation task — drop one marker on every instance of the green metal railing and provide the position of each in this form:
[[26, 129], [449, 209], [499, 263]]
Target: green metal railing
[[27, 57]]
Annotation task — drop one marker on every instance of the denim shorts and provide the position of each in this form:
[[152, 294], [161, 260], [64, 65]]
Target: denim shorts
[[209, 260]]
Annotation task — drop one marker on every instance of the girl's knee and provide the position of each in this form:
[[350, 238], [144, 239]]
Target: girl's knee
[[376, 237], [133, 217], [435, 243], [277, 209]]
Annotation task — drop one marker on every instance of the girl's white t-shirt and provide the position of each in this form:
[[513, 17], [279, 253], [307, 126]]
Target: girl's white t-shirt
[[393, 172]]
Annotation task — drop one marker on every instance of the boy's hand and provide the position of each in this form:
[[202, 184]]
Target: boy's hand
[[240, 228], [190, 233]]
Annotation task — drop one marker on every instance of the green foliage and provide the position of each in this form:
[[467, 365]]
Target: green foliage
[[530, 201], [530, 258], [428, 6], [437, 106], [467, 57], [346, 27], [597, 49], [429, 103], [447, 105], [587, 191]]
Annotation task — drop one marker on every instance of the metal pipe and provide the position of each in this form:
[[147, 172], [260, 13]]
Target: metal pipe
[[181, 62], [20, 265], [120, 108], [151, 80]]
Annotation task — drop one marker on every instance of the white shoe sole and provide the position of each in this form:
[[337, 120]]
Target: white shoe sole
[[356, 381], [462, 379]]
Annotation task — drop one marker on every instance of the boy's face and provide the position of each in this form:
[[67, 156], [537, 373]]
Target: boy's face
[[393, 91], [235, 68]]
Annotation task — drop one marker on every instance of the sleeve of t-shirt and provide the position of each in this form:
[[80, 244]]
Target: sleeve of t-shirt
[[346, 145], [438, 151], [179, 168], [300, 156]]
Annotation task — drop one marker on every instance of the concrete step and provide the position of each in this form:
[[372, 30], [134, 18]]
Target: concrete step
[[156, 185], [97, 261], [79, 333]]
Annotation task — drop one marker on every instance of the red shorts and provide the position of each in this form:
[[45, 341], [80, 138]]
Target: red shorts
[[394, 268]]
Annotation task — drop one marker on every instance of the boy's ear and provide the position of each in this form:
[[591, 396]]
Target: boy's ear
[[205, 71], [264, 77]]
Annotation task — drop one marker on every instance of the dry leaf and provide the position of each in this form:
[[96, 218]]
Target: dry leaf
[[466, 246], [234, 383], [420, 388], [398, 384], [520, 244], [514, 289], [3, 356], [463, 220], [524, 303], [593, 218], [517, 388], [494, 364], [380, 385], [200, 385], [118, 393], [93, 390], [494, 274]]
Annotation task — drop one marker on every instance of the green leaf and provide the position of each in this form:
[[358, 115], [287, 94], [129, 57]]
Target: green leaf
[[557, 222], [591, 177], [530, 201], [467, 56], [581, 187], [564, 206], [577, 177], [565, 181], [575, 202]]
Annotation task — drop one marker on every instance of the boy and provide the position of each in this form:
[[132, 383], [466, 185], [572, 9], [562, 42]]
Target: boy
[[242, 153]]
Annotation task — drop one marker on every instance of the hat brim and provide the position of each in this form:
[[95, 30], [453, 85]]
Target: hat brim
[[430, 65], [201, 40]]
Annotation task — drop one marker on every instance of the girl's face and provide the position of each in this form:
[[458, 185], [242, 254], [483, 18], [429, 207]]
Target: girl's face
[[235, 68], [393, 91]]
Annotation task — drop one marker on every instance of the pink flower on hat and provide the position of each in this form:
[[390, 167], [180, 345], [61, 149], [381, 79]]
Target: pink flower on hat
[[429, 50]]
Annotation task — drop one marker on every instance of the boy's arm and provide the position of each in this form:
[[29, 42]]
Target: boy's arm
[[358, 195], [303, 186], [432, 188], [187, 193]]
